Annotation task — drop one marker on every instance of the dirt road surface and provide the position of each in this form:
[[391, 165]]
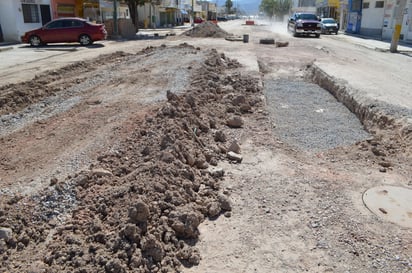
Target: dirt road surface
[[198, 154]]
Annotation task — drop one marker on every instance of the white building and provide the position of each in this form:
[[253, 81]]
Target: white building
[[17, 17], [388, 21]]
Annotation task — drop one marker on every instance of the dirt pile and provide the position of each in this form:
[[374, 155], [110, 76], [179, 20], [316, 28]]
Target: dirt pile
[[139, 208], [207, 29]]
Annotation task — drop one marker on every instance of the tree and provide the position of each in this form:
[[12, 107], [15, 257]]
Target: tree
[[275, 7], [133, 4], [228, 5]]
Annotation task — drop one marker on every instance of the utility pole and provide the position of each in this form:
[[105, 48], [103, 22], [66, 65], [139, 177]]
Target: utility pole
[[115, 29], [193, 13], [398, 26]]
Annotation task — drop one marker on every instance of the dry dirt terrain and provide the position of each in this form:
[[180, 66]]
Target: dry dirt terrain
[[169, 158]]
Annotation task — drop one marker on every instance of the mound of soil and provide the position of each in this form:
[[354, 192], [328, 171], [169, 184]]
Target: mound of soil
[[207, 29], [138, 209]]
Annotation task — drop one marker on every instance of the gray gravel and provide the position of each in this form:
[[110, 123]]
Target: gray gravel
[[308, 117]]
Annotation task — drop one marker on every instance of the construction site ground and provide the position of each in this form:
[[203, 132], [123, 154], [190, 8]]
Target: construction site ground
[[193, 153]]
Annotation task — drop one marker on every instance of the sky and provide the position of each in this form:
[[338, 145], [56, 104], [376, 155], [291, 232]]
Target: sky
[[249, 6]]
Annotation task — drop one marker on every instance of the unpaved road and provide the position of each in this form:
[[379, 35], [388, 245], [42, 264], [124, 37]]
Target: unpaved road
[[102, 171]]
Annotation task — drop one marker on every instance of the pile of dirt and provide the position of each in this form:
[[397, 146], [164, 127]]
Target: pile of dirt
[[139, 208], [207, 29]]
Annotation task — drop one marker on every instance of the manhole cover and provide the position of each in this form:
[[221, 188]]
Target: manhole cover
[[391, 203]]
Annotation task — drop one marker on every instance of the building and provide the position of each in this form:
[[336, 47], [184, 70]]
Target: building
[[388, 20], [376, 18], [17, 17]]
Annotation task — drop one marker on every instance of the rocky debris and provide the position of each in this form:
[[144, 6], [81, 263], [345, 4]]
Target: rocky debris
[[234, 157], [217, 172], [6, 234], [234, 122], [234, 147], [139, 207], [207, 29]]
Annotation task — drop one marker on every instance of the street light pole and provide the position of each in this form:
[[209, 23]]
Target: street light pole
[[398, 26]]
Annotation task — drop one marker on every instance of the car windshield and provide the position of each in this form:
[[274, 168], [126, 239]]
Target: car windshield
[[307, 17], [328, 21]]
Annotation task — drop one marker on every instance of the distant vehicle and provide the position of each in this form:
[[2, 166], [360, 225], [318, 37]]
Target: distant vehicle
[[304, 24], [198, 20], [222, 19], [66, 30], [329, 25]]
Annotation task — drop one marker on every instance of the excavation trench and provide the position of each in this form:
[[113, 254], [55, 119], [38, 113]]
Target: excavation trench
[[307, 117], [374, 115]]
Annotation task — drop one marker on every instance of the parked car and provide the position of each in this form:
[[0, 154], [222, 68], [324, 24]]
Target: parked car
[[198, 20], [66, 30], [222, 19], [304, 24], [329, 25]]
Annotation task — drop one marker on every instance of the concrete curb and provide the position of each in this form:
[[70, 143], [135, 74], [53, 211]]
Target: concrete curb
[[6, 48]]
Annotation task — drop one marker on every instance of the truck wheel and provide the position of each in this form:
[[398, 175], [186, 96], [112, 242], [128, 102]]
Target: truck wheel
[[295, 34]]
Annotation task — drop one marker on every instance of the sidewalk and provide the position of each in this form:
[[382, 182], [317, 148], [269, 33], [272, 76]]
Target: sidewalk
[[378, 44]]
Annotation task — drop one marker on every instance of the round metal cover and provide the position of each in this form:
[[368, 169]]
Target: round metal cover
[[391, 203]]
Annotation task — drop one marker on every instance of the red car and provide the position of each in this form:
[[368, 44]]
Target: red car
[[66, 30], [198, 20]]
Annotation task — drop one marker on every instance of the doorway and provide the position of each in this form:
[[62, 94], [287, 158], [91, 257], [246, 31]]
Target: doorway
[[45, 14]]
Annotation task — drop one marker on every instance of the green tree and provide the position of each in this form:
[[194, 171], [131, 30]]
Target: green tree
[[275, 7], [228, 5]]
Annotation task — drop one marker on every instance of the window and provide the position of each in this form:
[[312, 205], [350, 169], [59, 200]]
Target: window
[[365, 5], [379, 4], [72, 23], [55, 24], [30, 13]]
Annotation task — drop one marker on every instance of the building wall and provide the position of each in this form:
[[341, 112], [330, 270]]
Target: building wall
[[12, 20], [372, 18], [389, 21]]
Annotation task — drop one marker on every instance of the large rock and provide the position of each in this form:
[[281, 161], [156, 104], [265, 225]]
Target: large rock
[[185, 224], [235, 157], [6, 233], [225, 202], [139, 213], [234, 122], [234, 147], [220, 136], [100, 172]]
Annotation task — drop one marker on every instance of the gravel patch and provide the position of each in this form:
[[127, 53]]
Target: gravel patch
[[308, 117]]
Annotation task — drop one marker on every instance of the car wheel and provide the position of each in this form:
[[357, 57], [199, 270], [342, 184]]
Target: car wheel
[[35, 40], [317, 35], [85, 40], [295, 34]]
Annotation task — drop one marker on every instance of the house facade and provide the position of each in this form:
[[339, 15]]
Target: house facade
[[17, 17]]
